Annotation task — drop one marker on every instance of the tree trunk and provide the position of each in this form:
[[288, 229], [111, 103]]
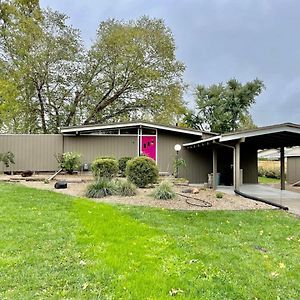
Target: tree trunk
[[42, 110]]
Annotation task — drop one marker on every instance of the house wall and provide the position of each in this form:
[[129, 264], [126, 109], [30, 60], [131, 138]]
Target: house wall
[[293, 169], [249, 164], [34, 152], [91, 147], [197, 162]]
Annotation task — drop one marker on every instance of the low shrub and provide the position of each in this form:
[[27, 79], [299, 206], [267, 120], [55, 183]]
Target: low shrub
[[219, 195], [164, 191], [122, 165], [105, 168], [142, 171], [105, 157], [269, 172], [69, 161], [126, 188], [102, 188]]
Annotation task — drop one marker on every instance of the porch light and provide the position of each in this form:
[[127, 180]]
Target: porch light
[[177, 147]]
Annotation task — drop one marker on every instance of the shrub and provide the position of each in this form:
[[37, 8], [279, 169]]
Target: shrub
[[7, 158], [126, 188], [105, 157], [269, 172], [105, 168], [122, 165], [101, 188], [69, 161], [219, 195], [142, 171], [164, 191]]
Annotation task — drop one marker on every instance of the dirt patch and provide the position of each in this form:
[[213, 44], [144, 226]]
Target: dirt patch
[[144, 198]]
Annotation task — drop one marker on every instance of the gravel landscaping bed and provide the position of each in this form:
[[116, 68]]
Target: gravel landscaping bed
[[144, 198]]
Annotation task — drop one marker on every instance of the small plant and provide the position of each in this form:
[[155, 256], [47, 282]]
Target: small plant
[[122, 165], [126, 188], [102, 188], [105, 168], [69, 161], [219, 195], [46, 181], [7, 158], [177, 164], [164, 191], [142, 171]]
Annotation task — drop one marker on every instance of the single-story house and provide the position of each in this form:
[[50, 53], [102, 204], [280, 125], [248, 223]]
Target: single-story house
[[233, 155]]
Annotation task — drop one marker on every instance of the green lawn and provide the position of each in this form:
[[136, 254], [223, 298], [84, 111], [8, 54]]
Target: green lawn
[[60, 247], [267, 180]]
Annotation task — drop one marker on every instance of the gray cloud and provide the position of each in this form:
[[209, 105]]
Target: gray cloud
[[218, 40]]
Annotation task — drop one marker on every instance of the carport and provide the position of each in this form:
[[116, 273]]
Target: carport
[[245, 143]]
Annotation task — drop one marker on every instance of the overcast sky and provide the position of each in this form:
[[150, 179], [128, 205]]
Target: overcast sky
[[219, 40]]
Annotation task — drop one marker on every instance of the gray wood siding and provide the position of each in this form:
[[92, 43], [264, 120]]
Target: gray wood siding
[[293, 169], [34, 152], [91, 147], [197, 162], [249, 164]]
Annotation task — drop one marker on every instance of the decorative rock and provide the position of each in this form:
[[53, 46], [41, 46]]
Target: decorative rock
[[61, 185], [26, 173], [195, 191], [187, 191]]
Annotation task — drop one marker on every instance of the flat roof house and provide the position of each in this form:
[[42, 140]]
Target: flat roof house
[[233, 155]]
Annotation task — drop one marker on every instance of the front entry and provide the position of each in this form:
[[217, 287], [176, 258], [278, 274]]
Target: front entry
[[148, 146]]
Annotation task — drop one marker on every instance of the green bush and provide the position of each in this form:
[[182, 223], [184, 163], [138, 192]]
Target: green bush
[[219, 195], [122, 165], [142, 171], [105, 168], [164, 191], [7, 158], [105, 157], [102, 188], [69, 161], [268, 172], [126, 188]]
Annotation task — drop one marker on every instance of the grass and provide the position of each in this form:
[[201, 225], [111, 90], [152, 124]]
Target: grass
[[266, 180], [60, 247]]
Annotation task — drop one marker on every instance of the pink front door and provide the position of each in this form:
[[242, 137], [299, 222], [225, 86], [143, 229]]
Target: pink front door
[[148, 146]]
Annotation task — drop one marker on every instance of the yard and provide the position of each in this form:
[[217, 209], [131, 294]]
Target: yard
[[57, 246]]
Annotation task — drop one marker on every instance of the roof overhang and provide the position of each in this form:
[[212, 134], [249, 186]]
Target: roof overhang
[[275, 136], [90, 128]]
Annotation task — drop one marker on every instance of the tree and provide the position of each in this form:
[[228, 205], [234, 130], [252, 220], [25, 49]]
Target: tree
[[224, 108], [135, 72], [130, 71]]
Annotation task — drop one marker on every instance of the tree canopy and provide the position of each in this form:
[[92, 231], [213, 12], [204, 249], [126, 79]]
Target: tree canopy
[[49, 79], [224, 107]]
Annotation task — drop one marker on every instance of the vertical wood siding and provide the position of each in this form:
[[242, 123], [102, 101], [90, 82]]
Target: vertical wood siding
[[293, 169], [91, 147], [34, 152]]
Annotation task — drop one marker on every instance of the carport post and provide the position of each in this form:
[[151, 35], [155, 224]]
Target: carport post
[[237, 163], [215, 168], [282, 169]]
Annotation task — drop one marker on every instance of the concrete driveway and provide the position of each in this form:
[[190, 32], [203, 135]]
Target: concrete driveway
[[285, 198]]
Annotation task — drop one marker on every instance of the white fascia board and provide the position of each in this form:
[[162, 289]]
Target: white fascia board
[[100, 127], [258, 132], [202, 141]]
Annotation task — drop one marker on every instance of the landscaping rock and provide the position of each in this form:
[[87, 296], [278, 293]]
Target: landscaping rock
[[26, 173], [61, 185]]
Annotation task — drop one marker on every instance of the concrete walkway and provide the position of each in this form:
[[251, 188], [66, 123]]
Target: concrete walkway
[[286, 198]]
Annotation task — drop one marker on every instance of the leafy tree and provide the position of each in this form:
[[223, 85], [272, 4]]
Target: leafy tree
[[130, 71], [224, 108]]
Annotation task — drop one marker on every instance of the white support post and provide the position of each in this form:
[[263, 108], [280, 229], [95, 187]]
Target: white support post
[[215, 168], [237, 166], [282, 169]]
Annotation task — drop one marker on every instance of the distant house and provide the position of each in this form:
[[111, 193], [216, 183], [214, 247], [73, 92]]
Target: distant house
[[233, 155]]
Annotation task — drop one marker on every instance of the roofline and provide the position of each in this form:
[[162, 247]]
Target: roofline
[[290, 127], [202, 141], [130, 124]]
